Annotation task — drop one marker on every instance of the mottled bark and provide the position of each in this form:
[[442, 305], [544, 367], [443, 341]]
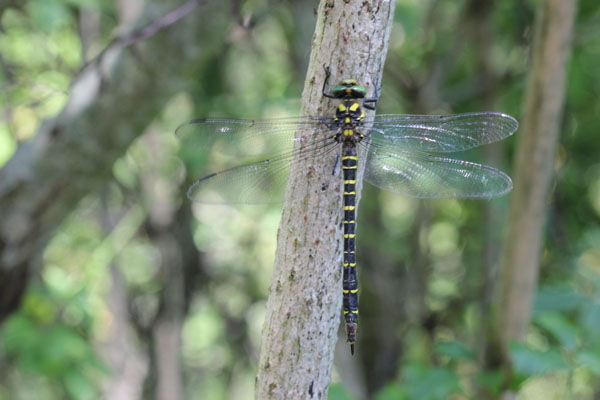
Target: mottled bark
[[534, 169], [304, 307]]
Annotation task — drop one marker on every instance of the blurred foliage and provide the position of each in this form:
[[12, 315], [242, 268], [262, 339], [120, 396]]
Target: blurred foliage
[[50, 338], [423, 264]]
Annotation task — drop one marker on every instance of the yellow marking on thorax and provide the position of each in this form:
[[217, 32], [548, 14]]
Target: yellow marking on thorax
[[342, 107], [354, 107]]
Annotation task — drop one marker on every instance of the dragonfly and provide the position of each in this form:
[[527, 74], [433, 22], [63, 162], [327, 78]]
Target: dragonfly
[[403, 154]]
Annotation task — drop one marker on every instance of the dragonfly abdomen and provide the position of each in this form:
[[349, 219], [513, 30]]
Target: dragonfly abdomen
[[350, 283]]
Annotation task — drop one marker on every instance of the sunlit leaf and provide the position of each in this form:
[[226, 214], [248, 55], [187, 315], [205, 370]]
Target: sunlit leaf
[[7, 144]]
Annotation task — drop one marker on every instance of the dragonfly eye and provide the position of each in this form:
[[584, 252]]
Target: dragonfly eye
[[349, 88]]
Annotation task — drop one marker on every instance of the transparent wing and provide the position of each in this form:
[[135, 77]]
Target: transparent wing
[[246, 138], [263, 152], [431, 133], [253, 156], [417, 174], [263, 181]]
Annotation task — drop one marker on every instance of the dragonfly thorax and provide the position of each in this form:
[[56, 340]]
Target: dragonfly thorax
[[348, 116]]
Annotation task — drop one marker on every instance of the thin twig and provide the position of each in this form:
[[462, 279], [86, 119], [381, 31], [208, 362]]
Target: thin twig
[[149, 30]]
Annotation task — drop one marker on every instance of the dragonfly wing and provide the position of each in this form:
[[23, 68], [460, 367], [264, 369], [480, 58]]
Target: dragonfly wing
[[244, 138], [260, 182], [432, 133], [417, 174], [260, 151]]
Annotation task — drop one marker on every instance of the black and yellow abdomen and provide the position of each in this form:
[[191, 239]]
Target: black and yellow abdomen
[[350, 283], [348, 118]]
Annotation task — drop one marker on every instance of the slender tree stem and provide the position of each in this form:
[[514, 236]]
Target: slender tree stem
[[534, 169], [304, 305]]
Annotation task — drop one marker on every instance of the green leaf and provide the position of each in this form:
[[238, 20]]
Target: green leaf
[[557, 298], [454, 350], [590, 318], [490, 380], [392, 391], [78, 385], [425, 383], [19, 334], [528, 361], [8, 145], [408, 15], [48, 14], [560, 328], [338, 392], [590, 360], [97, 5]]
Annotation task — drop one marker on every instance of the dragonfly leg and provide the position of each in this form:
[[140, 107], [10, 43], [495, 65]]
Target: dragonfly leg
[[373, 100], [336, 166], [327, 75]]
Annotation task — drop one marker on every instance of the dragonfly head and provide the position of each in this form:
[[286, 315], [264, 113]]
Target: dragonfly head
[[349, 88]]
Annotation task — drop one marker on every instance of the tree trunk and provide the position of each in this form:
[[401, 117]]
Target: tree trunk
[[479, 19], [127, 363], [111, 102], [534, 170], [304, 304]]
